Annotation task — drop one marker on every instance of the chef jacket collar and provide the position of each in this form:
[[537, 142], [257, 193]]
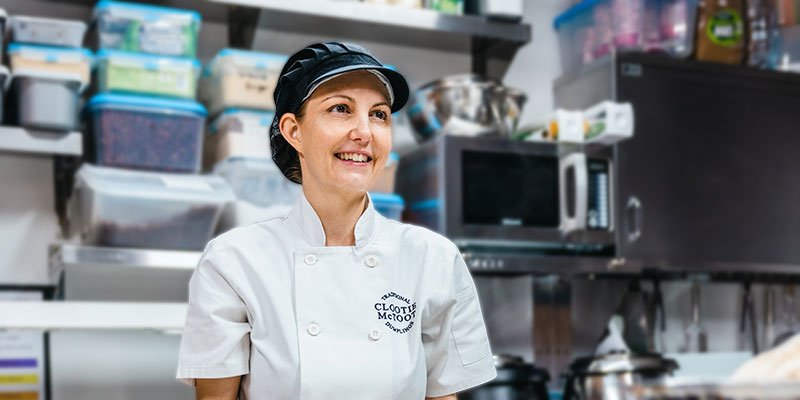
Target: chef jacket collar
[[307, 220]]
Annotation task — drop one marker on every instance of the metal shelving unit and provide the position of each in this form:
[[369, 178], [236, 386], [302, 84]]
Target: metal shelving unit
[[63, 315], [26, 141]]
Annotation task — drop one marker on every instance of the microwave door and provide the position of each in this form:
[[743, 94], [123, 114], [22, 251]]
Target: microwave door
[[574, 192]]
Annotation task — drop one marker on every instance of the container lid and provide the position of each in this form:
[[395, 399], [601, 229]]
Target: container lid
[[386, 199], [254, 59], [573, 11], [261, 117], [148, 12], [251, 164], [615, 363], [151, 61], [425, 205], [50, 53], [50, 76], [154, 184], [50, 21], [106, 99]]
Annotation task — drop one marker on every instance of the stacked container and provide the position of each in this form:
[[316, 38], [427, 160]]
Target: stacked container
[[49, 71], [237, 87], [593, 29], [146, 135]]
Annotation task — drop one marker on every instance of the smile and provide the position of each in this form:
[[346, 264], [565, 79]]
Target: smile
[[354, 157]]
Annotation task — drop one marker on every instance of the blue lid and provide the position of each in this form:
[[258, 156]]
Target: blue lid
[[583, 6], [103, 53], [145, 101], [15, 47], [235, 110], [386, 199], [157, 10], [394, 157], [425, 204]]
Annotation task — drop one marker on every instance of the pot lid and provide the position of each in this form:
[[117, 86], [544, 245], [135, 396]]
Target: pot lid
[[614, 363]]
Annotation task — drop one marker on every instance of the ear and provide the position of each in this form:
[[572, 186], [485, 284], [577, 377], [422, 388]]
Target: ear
[[289, 130]]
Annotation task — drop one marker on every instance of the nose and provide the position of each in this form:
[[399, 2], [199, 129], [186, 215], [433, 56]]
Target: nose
[[362, 131]]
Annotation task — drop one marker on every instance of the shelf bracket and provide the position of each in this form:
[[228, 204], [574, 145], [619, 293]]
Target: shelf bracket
[[242, 24]]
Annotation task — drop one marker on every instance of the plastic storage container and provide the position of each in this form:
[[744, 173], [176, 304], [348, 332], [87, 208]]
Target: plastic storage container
[[45, 100], [261, 190], [241, 79], [145, 132], [50, 59], [146, 29], [674, 25], [387, 204], [47, 31], [577, 36], [238, 133], [123, 208], [119, 71]]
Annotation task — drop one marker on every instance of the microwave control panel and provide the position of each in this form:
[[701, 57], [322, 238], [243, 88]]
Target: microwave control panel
[[598, 214]]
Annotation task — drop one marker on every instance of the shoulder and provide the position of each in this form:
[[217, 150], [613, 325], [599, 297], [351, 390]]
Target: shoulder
[[419, 239]]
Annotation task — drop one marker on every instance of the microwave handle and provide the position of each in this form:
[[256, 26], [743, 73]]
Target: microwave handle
[[578, 163]]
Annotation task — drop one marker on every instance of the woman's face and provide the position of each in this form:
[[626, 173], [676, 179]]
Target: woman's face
[[344, 135]]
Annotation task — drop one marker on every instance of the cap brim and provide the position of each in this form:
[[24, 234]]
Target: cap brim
[[398, 82]]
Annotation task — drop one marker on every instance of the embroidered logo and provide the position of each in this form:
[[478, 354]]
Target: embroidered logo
[[397, 311]]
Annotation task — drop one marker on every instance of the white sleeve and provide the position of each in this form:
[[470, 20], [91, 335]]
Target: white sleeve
[[457, 350], [216, 336]]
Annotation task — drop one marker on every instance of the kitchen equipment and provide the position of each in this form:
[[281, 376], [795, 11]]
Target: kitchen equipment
[[239, 78], [145, 133], [261, 190], [789, 315], [611, 376], [145, 28], [237, 133], [747, 324], [124, 208], [385, 181], [769, 317], [50, 59], [44, 100], [634, 310], [388, 204], [658, 316], [119, 71], [491, 191], [696, 335], [464, 105], [47, 31], [516, 380]]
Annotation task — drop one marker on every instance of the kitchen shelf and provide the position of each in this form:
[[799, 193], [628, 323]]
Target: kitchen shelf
[[68, 315], [20, 140], [66, 255]]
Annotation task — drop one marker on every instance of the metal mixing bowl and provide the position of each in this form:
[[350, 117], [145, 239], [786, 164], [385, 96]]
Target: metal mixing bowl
[[467, 105]]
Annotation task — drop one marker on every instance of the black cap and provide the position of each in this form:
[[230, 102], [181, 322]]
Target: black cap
[[303, 72]]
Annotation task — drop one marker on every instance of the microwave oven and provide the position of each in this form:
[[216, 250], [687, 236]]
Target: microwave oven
[[482, 191]]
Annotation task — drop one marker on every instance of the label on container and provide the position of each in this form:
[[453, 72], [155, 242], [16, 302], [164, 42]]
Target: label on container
[[725, 28], [186, 184]]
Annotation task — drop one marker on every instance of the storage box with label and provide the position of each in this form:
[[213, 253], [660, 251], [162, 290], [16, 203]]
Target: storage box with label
[[138, 73], [240, 79]]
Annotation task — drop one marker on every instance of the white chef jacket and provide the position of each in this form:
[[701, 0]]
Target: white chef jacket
[[394, 317]]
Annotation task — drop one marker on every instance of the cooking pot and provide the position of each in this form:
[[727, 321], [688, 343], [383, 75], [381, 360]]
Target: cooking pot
[[466, 105], [516, 380], [610, 376]]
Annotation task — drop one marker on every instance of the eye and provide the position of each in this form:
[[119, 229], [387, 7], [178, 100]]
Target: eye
[[382, 115], [339, 108]]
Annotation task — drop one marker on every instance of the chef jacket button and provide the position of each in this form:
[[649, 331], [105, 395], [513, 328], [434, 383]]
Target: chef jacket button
[[375, 335], [371, 261], [313, 329], [310, 259]]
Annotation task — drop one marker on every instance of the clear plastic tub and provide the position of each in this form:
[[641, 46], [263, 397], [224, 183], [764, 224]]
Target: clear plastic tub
[[47, 31], [261, 190], [45, 100], [50, 59], [125, 72], [387, 204], [577, 36], [145, 132], [670, 26], [146, 29], [123, 208], [240, 79], [238, 133]]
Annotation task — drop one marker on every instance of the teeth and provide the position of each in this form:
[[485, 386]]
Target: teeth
[[352, 157]]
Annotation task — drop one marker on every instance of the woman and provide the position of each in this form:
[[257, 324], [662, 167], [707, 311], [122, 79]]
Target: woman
[[333, 301]]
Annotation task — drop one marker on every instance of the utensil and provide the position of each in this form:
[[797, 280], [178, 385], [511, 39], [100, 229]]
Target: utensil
[[696, 335], [769, 316], [467, 105], [634, 310], [515, 379], [611, 376], [657, 318], [789, 315], [748, 317]]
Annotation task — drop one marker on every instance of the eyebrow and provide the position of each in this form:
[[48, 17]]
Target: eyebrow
[[383, 103], [339, 95]]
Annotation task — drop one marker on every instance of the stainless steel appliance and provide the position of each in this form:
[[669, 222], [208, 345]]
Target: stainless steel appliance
[[516, 380], [497, 193], [612, 376]]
